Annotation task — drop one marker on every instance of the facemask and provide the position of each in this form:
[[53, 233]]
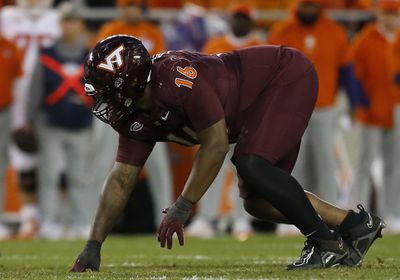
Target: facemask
[[308, 19]]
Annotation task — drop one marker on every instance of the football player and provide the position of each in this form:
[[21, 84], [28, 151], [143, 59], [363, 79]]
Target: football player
[[131, 21], [31, 24], [259, 97]]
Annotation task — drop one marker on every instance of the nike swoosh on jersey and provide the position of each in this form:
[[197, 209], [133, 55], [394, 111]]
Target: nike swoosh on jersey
[[164, 118]]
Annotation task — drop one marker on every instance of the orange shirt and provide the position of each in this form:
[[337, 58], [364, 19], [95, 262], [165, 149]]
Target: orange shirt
[[395, 66], [325, 44], [277, 4], [261, 4], [372, 55], [165, 3], [150, 34], [10, 68], [348, 4], [227, 43]]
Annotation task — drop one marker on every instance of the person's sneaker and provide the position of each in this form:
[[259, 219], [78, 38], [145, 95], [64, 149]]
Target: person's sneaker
[[360, 237], [242, 229], [287, 230], [200, 228], [51, 231], [5, 232], [392, 226], [28, 230], [318, 253]]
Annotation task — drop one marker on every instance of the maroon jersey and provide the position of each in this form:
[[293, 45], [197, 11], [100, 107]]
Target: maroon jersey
[[193, 91]]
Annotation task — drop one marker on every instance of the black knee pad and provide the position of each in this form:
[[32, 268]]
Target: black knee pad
[[254, 171], [28, 181], [246, 165]]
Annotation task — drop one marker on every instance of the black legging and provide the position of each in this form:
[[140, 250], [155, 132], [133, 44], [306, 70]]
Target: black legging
[[282, 191]]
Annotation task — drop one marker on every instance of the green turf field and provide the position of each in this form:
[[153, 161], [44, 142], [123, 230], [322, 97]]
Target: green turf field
[[138, 257]]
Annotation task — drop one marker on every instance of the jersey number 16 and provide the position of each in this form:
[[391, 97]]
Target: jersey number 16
[[189, 72]]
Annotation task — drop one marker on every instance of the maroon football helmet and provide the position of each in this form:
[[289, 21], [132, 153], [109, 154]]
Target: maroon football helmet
[[116, 74]]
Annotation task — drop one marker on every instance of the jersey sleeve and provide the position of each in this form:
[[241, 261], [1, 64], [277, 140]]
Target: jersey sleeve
[[189, 87], [202, 106], [133, 152]]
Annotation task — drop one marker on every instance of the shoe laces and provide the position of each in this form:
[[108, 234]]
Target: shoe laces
[[309, 244], [361, 208]]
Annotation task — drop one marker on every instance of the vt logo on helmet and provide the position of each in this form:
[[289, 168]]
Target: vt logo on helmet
[[116, 74], [113, 60]]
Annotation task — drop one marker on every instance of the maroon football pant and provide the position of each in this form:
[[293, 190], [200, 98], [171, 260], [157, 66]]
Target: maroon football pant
[[275, 122]]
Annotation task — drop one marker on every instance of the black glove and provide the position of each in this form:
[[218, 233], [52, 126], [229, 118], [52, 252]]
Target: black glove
[[89, 258], [25, 139]]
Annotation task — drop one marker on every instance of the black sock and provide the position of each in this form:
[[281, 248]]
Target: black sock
[[284, 193], [320, 231], [351, 220]]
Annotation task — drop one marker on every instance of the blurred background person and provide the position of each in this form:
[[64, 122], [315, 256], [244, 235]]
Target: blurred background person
[[62, 114], [372, 56], [349, 4], [158, 167], [325, 42], [132, 22], [31, 24], [194, 25], [242, 34], [11, 71], [394, 212]]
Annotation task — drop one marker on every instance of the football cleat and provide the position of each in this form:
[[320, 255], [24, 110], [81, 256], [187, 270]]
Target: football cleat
[[29, 229], [318, 253], [361, 237]]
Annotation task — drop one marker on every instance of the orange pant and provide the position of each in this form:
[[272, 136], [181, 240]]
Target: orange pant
[[12, 195]]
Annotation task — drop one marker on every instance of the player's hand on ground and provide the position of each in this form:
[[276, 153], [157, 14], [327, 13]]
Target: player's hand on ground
[[89, 259], [173, 222], [167, 228]]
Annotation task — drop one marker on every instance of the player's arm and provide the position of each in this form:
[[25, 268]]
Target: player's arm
[[114, 196], [214, 146], [196, 94]]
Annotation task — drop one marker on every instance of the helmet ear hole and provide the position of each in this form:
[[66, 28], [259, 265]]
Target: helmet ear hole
[[118, 82], [128, 102]]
